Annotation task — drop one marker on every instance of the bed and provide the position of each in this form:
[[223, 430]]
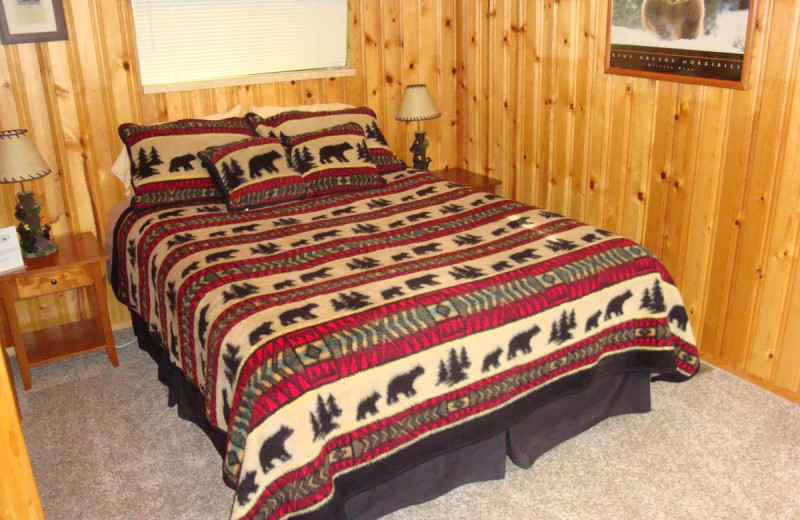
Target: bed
[[355, 352]]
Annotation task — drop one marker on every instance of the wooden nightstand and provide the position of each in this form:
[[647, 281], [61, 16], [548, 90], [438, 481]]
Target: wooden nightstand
[[78, 263], [471, 179]]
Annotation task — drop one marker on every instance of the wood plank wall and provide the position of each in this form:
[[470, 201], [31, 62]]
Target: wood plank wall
[[72, 95], [701, 176], [704, 177]]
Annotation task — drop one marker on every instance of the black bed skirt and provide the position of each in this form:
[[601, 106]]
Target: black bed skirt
[[544, 428]]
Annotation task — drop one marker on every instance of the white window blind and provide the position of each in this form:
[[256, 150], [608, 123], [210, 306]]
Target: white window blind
[[200, 40]]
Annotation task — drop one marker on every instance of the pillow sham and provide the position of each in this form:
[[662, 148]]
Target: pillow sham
[[253, 173], [298, 122], [165, 169], [333, 160], [121, 169]]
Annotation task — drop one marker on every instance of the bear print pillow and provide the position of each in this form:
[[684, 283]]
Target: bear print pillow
[[333, 160], [253, 173], [299, 122], [165, 168]]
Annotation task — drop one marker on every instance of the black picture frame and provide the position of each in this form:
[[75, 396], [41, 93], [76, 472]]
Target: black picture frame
[[700, 64], [10, 36]]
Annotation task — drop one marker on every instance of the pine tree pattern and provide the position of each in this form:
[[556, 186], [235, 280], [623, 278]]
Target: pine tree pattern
[[324, 422], [351, 301], [455, 369], [234, 174], [378, 203], [363, 152], [145, 165], [265, 249], [653, 301], [232, 359], [303, 160], [373, 132], [466, 272], [562, 328], [363, 263], [366, 229], [467, 240], [449, 209], [155, 158], [561, 244]]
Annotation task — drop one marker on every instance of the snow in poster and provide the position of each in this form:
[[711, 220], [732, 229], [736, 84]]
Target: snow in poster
[[691, 41]]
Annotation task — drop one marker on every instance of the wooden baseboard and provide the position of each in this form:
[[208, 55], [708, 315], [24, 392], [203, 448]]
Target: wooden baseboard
[[763, 383]]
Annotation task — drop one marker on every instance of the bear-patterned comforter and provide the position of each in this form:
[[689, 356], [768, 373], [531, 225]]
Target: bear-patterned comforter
[[339, 340]]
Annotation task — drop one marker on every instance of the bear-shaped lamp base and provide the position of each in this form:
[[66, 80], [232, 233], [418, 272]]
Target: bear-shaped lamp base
[[34, 238]]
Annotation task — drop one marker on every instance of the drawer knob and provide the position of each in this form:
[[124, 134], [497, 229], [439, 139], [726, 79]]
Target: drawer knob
[[53, 281]]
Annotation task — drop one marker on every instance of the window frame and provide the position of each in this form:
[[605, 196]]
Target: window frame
[[347, 70]]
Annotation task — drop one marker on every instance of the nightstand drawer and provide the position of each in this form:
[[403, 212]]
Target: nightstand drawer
[[41, 284]]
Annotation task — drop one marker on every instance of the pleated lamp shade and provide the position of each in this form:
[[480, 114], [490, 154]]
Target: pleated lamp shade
[[19, 158]]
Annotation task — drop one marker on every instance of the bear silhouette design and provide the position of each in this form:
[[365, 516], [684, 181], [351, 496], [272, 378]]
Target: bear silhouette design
[[593, 321], [392, 292], [291, 316], [674, 19], [182, 162], [615, 305], [246, 487], [325, 234], [244, 229], [334, 151], [264, 161], [273, 448], [315, 275], [265, 329], [416, 284], [403, 384], [368, 405], [523, 256], [679, 316], [492, 360], [522, 342], [221, 255]]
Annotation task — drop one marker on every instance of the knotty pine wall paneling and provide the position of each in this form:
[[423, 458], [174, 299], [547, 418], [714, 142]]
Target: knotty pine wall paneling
[[704, 177], [72, 95]]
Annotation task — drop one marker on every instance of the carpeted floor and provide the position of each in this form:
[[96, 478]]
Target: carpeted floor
[[104, 445]]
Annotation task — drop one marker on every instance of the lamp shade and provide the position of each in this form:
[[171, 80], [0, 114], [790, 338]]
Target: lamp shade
[[417, 105], [19, 158]]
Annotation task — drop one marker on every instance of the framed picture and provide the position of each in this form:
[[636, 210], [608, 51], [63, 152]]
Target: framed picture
[[705, 42], [25, 21]]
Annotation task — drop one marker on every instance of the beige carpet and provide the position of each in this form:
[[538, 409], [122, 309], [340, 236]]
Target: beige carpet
[[105, 446]]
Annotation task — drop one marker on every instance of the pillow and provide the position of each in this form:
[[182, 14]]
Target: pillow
[[122, 166], [333, 160], [269, 110], [268, 179], [164, 165], [298, 122]]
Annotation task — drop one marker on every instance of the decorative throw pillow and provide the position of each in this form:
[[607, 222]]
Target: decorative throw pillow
[[164, 165], [121, 169], [253, 173], [299, 122], [333, 160]]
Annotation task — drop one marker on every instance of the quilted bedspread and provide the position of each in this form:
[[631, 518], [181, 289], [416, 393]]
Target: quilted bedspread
[[339, 340]]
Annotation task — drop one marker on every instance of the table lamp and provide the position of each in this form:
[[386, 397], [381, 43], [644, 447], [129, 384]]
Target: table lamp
[[417, 105], [20, 162]]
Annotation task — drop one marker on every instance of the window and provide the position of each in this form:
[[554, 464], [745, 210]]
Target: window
[[183, 42]]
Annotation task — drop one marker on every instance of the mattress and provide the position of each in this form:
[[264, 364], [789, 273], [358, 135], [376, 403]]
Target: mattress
[[344, 340]]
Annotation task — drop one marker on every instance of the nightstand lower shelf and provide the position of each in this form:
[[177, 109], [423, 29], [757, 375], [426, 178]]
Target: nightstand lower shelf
[[62, 342]]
